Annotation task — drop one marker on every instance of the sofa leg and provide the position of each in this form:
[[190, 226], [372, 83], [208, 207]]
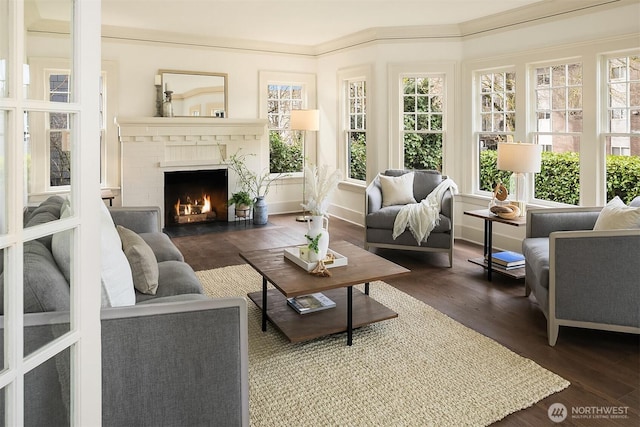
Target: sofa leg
[[527, 288], [552, 332]]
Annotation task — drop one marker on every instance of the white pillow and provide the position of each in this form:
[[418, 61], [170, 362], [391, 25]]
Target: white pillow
[[117, 280], [397, 190], [617, 216]]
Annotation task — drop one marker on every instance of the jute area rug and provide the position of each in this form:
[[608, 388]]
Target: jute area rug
[[420, 369]]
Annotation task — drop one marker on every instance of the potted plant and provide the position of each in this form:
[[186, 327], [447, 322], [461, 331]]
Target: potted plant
[[257, 185], [243, 201]]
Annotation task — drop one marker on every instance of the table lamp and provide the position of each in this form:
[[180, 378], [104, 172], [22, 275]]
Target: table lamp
[[304, 120], [519, 158]]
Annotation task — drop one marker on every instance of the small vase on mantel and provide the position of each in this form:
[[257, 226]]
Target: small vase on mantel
[[318, 225]]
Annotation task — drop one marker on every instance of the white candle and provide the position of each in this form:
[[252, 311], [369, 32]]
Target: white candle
[[158, 79], [166, 87]]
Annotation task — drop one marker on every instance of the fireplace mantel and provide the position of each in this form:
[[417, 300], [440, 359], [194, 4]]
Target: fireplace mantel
[[151, 146]]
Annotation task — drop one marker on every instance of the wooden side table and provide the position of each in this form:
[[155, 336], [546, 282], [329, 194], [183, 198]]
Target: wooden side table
[[489, 218]]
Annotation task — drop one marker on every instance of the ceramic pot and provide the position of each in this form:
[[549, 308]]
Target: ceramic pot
[[318, 225]]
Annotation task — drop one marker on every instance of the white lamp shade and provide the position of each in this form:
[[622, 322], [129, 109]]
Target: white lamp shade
[[305, 120], [519, 157]]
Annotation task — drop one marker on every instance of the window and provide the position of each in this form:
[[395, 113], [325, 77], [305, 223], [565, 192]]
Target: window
[[356, 129], [557, 127], [497, 122], [59, 132], [622, 128], [285, 146], [422, 118]]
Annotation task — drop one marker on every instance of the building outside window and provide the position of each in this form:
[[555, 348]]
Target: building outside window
[[557, 112], [423, 121], [497, 122], [58, 130], [356, 129], [622, 126], [285, 146]]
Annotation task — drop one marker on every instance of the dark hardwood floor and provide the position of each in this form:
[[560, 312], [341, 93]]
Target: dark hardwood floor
[[603, 367]]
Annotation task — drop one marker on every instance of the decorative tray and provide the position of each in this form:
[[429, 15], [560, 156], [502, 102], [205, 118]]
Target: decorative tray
[[293, 254]]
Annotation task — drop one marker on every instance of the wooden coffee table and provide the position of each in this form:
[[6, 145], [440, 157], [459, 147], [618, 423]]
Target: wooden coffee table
[[353, 307]]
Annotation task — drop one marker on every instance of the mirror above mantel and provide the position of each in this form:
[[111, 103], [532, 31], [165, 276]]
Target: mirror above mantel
[[195, 93]]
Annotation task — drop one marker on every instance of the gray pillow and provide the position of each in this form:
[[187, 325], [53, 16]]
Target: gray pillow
[[144, 266]]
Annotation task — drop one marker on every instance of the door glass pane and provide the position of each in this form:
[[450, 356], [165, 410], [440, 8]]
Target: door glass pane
[[4, 46], [3, 172], [48, 137], [48, 35], [47, 389]]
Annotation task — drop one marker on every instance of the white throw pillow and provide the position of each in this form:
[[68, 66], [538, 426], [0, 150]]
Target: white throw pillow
[[117, 279], [397, 190], [617, 216]]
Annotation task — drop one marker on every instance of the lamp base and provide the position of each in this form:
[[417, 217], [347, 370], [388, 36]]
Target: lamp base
[[303, 218], [522, 205]]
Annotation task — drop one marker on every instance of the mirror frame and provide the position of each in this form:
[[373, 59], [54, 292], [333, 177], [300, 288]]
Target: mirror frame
[[225, 76]]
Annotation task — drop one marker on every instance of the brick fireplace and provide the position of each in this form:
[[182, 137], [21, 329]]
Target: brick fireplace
[[153, 147]]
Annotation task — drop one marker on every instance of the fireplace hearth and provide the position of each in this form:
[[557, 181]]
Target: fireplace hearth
[[192, 197]]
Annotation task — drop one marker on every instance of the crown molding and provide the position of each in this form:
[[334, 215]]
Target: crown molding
[[533, 14], [547, 10]]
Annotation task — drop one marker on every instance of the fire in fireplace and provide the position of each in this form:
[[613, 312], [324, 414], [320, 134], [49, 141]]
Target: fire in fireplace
[[195, 196]]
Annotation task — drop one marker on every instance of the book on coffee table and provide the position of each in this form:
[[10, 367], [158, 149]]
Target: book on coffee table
[[508, 259], [309, 303]]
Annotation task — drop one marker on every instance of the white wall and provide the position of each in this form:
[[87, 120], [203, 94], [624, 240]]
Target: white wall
[[579, 34]]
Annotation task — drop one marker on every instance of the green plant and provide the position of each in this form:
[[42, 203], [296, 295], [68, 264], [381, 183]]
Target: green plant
[[240, 198], [255, 184], [313, 242], [559, 180], [284, 157]]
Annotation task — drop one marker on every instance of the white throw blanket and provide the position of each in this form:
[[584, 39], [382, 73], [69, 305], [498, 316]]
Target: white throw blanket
[[423, 217]]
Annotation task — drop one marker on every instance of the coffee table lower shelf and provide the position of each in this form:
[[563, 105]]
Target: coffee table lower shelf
[[516, 273], [303, 327]]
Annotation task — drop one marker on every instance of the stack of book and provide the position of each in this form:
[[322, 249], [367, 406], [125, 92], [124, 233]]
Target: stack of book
[[508, 260], [309, 303]]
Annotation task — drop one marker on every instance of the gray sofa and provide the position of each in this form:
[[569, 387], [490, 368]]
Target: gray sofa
[[379, 220], [581, 277], [175, 358]]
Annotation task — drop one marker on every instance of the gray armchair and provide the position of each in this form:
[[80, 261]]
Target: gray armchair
[[379, 220], [580, 277]]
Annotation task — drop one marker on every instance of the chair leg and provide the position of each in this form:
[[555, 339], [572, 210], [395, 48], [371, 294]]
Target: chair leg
[[527, 288], [451, 258]]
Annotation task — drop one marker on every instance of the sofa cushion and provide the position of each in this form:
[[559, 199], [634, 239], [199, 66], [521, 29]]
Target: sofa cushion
[[61, 244], [143, 263], [618, 216], [536, 254], [397, 190], [47, 211], [385, 218], [162, 247], [175, 278], [45, 288], [117, 279]]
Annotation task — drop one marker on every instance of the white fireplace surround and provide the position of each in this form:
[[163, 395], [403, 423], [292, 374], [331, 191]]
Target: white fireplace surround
[[151, 146]]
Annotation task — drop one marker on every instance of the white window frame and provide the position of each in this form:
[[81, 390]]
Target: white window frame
[[532, 112], [309, 99], [426, 69], [510, 136], [345, 77]]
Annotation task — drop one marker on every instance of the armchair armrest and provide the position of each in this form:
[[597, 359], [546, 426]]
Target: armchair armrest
[[543, 222], [143, 219], [373, 197]]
